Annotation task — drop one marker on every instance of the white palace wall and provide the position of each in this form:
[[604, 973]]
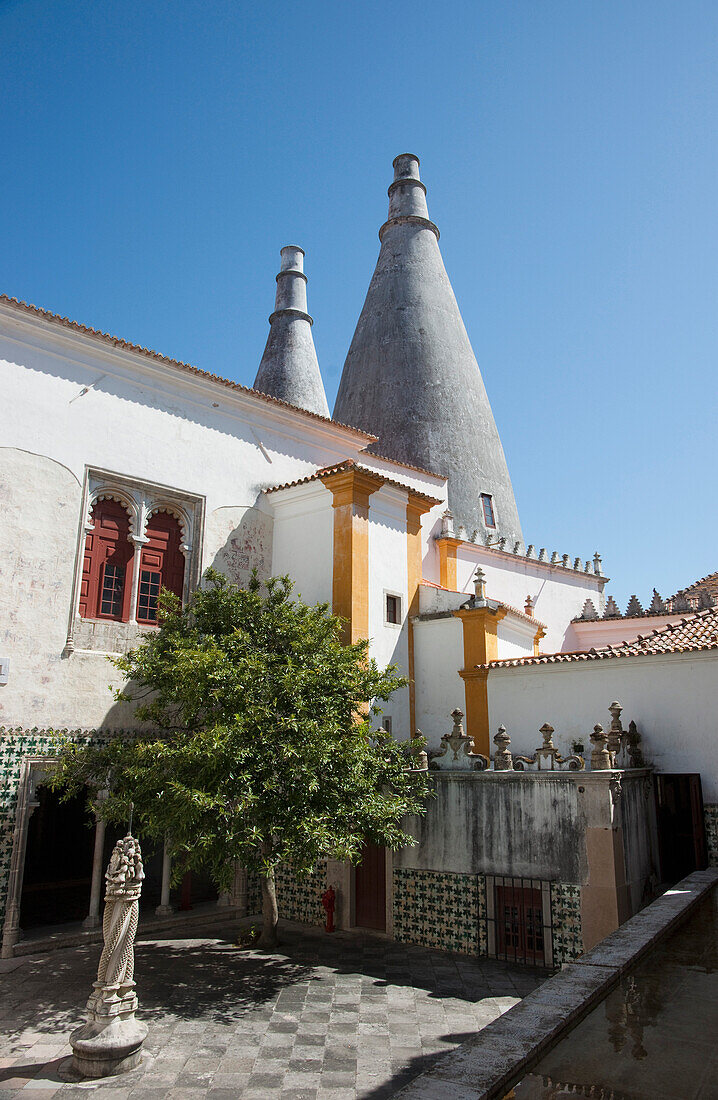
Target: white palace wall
[[673, 699], [70, 403]]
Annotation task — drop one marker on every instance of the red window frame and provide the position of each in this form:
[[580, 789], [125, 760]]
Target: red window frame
[[487, 505], [162, 565], [107, 545], [520, 932]]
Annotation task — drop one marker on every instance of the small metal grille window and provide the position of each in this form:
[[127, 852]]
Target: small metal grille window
[[519, 921], [150, 582], [488, 507], [393, 609], [113, 586]]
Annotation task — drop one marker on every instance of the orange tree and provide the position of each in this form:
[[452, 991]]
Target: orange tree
[[259, 745]]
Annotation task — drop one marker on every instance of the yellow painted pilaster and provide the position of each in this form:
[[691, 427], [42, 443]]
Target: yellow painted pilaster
[[537, 638], [481, 645], [415, 509], [447, 562], [351, 490]]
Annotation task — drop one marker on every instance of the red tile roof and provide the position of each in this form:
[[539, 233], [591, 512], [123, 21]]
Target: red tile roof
[[187, 368], [699, 632], [348, 464], [406, 465]]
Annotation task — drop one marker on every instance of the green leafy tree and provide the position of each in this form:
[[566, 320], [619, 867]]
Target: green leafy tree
[[259, 745]]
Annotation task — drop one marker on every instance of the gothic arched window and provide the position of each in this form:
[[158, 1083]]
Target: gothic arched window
[[161, 565], [106, 573]]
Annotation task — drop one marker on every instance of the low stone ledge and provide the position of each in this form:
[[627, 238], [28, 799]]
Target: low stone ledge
[[486, 1067]]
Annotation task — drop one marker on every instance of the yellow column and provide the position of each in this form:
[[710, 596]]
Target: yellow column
[[481, 645], [415, 509], [447, 562], [351, 490]]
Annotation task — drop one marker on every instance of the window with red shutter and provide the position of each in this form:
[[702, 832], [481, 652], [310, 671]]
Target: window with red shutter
[[106, 569], [161, 565]]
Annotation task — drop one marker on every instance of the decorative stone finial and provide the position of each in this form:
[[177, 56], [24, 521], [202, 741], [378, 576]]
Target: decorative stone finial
[[480, 587], [587, 567], [530, 550], [600, 756], [542, 554], [589, 610], [289, 368], [447, 523], [548, 756], [634, 609], [705, 600], [577, 564], [555, 558], [456, 752], [566, 561], [529, 607], [461, 533], [597, 564], [680, 602], [615, 733], [503, 761], [612, 609], [517, 547], [111, 1040], [657, 605]]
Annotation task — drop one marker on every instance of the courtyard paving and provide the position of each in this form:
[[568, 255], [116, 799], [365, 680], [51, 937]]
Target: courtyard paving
[[328, 1017]]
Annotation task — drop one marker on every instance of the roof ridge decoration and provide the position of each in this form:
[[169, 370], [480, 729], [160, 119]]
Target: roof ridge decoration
[[696, 633], [289, 368], [411, 375], [178, 364]]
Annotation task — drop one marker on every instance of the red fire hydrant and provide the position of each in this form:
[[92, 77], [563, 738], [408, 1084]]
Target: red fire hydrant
[[329, 901]]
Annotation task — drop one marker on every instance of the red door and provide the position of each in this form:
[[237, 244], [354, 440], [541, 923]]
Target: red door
[[519, 924], [370, 889]]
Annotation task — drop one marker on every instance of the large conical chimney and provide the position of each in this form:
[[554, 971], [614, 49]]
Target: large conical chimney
[[411, 377], [289, 368]]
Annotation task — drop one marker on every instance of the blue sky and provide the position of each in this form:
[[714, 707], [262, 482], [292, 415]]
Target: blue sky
[[156, 156]]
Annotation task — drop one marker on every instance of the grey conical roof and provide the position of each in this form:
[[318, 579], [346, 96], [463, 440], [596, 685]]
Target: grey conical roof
[[411, 377], [289, 368]]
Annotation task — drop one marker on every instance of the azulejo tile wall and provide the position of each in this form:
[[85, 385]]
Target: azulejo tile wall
[[566, 920], [14, 745], [299, 897], [710, 814], [440, 909]]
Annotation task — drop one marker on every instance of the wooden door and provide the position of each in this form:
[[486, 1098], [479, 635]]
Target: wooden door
[[519, 924], [370, 889]]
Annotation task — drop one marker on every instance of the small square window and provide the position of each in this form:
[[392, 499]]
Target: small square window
[[488, 507], [393, 609]]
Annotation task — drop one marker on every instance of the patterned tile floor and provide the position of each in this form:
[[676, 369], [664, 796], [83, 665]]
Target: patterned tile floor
[[326, 1018]]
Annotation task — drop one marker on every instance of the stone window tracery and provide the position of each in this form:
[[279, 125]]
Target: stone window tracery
[[136, 539]]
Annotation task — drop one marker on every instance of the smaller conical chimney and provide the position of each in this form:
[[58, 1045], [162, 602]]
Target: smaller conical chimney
[[289, 368]]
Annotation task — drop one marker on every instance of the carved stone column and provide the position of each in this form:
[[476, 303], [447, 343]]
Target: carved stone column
[[92, 920], [111, 1040], [164, 909], [238, 893]]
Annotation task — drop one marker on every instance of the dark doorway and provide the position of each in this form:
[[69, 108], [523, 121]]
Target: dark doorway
[[58, 861], [681, 826], [370, 889]]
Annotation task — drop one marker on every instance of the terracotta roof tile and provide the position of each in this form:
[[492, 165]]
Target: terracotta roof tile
[[347, 464], [157, 356], [699, 632]]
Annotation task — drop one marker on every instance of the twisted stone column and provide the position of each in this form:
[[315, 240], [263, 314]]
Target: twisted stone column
[[111, 1040]]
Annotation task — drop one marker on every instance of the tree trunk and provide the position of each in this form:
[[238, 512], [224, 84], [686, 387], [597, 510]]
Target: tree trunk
[[270, 916]]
